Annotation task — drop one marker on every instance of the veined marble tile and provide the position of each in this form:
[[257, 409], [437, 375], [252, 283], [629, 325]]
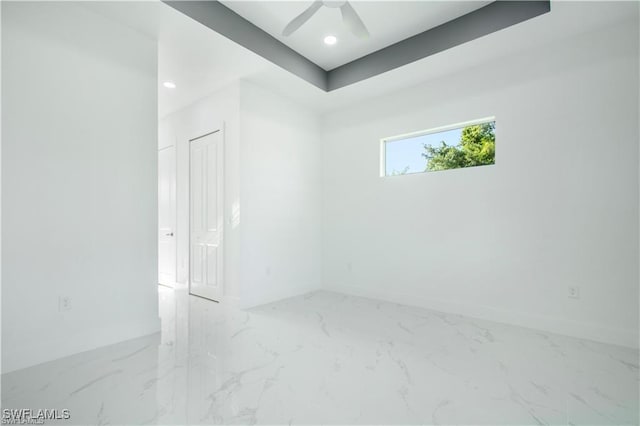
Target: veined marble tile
[[327, 358]]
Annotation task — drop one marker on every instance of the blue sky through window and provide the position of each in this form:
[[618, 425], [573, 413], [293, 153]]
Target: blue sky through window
[[408, 152]]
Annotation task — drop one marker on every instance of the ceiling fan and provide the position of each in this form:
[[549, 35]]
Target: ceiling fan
[[349, 17]]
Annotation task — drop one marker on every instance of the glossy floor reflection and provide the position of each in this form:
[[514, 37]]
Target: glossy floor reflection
[[326, 358]]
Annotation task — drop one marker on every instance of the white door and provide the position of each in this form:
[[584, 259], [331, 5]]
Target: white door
[[167, 216], [206, 216]]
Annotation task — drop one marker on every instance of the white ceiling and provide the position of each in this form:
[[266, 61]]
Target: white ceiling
[[198, 60], [201, 61], [388, 22], [566, 19]]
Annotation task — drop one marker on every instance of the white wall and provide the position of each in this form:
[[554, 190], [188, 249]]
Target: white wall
[[272, 191], [281, 197], [503, 242], [79, 184], [202, 117]]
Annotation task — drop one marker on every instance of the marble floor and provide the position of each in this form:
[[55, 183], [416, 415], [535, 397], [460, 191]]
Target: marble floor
[[327, 358]]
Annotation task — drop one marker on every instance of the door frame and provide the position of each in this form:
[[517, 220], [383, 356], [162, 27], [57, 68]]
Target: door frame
[[175, 213], [219, 128]]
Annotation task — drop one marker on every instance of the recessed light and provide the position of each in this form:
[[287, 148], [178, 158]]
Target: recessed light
[[330, 40], [169, 84]]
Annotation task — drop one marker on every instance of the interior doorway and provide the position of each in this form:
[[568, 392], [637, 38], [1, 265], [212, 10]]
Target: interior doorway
[[167, 250]]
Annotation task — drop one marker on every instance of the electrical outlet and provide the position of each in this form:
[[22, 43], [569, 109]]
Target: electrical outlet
[[64, 303], [573, 292]]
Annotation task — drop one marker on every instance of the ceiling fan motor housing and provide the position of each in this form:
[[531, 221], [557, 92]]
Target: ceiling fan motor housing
[[334, 3]]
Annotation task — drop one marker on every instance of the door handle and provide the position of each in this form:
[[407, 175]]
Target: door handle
[[169, 234]]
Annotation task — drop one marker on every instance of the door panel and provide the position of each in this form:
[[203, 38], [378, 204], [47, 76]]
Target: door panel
[[196, 269], [167, 216], [206, 216], [211, 218], [212, 266]]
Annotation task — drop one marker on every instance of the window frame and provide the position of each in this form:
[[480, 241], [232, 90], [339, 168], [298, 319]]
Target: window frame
[[383, 141]]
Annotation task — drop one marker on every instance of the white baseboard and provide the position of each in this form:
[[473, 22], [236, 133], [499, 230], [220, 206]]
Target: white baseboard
[[34, 352], [274, 297], [582, 330]]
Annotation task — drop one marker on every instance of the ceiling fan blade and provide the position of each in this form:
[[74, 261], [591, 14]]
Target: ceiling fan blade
[[302, 18], [352, 21]]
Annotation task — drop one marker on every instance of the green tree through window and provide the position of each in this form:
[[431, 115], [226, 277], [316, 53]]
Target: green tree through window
[[477, 147]]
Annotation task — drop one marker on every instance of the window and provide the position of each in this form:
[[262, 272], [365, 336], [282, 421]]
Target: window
[[453, 147]]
